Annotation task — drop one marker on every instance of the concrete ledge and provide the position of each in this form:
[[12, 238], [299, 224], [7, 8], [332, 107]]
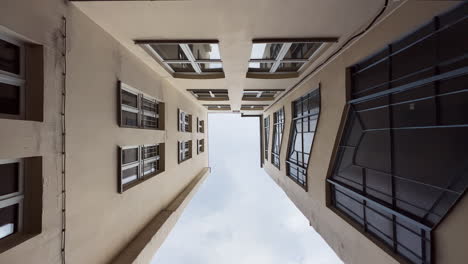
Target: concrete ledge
[[142, 248]]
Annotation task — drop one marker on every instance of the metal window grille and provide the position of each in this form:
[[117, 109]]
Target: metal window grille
[[11, 198], [184, 150], [278, 127], [185, 122], [137, 109], [266, 127]]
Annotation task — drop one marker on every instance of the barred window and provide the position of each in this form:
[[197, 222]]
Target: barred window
[[401, 161], [139, 163], [201, 146], [266, 127], [11, 197], [306, 112], [139, 110], [278, 127], [185, 150], [200, 126], [184, 123]]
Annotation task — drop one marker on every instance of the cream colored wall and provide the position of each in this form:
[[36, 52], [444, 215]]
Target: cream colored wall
[[100, 221], [350, 245]]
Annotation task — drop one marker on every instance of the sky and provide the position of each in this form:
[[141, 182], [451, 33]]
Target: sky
[[239, 215]]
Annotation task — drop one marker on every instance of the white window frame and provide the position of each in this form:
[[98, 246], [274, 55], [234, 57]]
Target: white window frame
[[184, 151], [139, 110], [184, 121], [15, 79], [16, 197], [133, 164]]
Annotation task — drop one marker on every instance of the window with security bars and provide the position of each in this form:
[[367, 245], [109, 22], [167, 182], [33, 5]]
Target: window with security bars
[[11, 197], [184, 123], [139, 110], [278, 128], [200, 126], [400, 166], [266, 127], [139, 163], [200, 146], [184, 148], [306, 112]]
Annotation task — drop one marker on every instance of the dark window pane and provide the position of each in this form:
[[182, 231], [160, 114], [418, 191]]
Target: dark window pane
[[302, 50], [130, 175], [8, 220], [205, 51], [129, 99], [289, 67], [129, 155], [129, 119], [9, 99], [169, 51], [9, 178], [181, 67], [9, 57]]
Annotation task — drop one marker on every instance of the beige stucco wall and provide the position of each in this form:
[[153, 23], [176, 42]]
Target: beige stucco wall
[[100, 221], [350, 245]]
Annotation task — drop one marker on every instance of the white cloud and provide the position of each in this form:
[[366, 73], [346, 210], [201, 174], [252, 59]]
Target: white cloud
[[239, 215]]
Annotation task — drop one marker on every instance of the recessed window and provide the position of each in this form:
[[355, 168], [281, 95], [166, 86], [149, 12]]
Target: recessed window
[[139, 110], [266, 127], [210, 95], [11, 197], [200, 146], [282, 58], [200, 126], [401, 162], [305, 116], [185, 150], [12, 80], [278, 128], [185, 58], [253, 107], [185, 121], [218, 107], [139, 163], [260, 95]]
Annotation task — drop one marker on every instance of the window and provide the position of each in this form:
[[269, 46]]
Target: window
[[200, 126], [185, 121], [186, 58], [185, 150], [139, 163], [276, 58], [260, 95], [201, 146], [20, 200], [12, 79], [305, 116], [254, 107], [266, 127], [219, 107], [278, 127], [400, 165], [139, 110], [210, 95]]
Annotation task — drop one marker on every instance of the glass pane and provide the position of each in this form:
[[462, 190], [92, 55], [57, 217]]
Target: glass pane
[[265, 51], [9, 178], [211, 67], [9, 99], [129, 119], [302, 50], [148, 105], [8, 220], [205, 51], [289, 67], [9, 57], [260, 66], [181, 67], [129, 155], [150, 167], [169, 51], [150, 151], [129, 99], [130, 175]]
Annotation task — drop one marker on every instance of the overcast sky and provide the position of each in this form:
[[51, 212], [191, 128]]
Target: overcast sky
[[239, 215]]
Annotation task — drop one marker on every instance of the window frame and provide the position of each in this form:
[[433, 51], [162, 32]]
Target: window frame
[[184, 125], [292, 137], [200, 126], [139, 110], [13, 79], [260, 94], [200, 145], [253, 107], [181, 149], [214, 94], [218, 107], [276, 126], [266, 131], [16, 197], [195, 63]]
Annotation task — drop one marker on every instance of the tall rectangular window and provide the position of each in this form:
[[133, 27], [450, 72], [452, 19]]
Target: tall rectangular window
[[139, 110], [266, 127], [11, 197], [278, 127], [306, 112], [401, 162], [184, 149], [184, 123], [200, 146], [200, 126], [139, 163], [12, 79]]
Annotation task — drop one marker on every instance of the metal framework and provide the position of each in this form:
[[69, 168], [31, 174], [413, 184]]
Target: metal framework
[[137, 109], [253, 107], [400, 166], [184, 148], [266, 127], [184, 123], [260, 95], [200, 146], [11, 203], [210, 94], [200, 126], [218, 107], [278, 128], [306, 111]]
